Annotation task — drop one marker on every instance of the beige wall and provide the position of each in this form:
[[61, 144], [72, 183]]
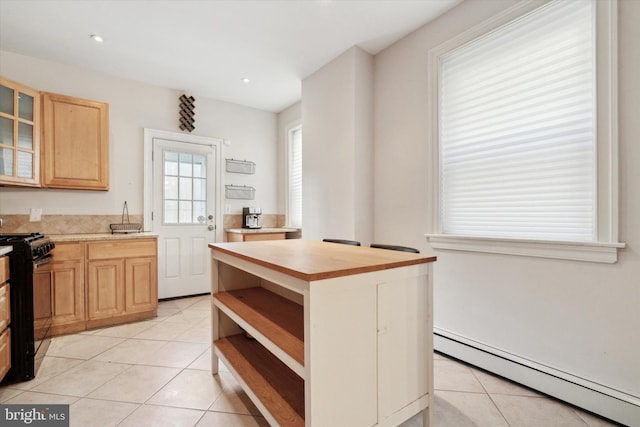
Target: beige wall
[[337, 112], [132, 107], [577, 317]]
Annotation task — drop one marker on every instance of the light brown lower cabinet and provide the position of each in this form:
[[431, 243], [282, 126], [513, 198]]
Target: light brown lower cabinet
[[121, 281], [105, 288], [101, 283], [5, 352], [65, 275], [254, 237], [140, 292], [5, 316]]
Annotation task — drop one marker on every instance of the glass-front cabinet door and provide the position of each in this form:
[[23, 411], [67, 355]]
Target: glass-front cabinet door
[[19, 134]]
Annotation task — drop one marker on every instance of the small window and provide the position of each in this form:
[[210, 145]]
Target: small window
[[294, 193], [185, 188]]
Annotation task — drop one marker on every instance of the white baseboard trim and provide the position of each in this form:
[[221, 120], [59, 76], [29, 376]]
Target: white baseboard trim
[[609, 403]]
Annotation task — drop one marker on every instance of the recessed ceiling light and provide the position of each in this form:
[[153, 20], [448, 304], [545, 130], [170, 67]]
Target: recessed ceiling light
[[97, 38], [245, 80]]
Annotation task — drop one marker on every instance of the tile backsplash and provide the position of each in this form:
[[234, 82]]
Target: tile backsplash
[[91, 224], [64, 224]]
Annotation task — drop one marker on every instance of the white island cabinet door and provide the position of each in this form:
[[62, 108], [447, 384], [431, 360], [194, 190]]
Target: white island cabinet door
[[340, 352], [402, 345]]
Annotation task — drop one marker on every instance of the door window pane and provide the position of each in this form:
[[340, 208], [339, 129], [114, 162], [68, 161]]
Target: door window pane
[[199, 211], [184, 212], [199, 189], [6, 131], [199, 166], [185, 189], [181, 188], [25, 136], [186, 164], [170, 163], [170, 188], [170, 212], [25, 106]]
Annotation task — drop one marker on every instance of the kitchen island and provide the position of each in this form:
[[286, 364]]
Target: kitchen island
[[323, 334]]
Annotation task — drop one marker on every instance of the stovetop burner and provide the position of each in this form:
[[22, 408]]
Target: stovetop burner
[[20, 237]]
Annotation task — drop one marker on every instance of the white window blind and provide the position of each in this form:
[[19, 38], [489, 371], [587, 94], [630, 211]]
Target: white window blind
[[295, 178], [517, 129]]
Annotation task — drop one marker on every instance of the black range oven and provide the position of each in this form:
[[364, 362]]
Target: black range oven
[[30, 303]]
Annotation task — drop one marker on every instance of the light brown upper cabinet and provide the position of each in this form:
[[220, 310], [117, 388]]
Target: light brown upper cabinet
[[75, 148], [19, 134]]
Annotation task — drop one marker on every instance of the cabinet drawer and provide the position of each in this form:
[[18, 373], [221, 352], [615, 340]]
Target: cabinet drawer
[[66, 251], [120, 249], [4, 269], [5, 352], [5, 311], [263, 236]]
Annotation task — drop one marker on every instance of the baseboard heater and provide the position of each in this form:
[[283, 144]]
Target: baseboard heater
[[609, 403]]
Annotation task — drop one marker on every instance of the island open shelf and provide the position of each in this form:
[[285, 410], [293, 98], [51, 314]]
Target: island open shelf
[[265, 378], [274, 320], [321, 334]]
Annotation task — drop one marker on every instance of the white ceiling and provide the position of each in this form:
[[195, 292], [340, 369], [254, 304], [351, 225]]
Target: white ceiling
[[205, 47]]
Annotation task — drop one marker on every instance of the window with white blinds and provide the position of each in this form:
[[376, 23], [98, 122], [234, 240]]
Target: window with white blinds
[[517, 128], [523, 131], [294, 200]]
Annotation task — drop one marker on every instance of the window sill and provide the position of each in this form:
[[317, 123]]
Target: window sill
[[576, 251]]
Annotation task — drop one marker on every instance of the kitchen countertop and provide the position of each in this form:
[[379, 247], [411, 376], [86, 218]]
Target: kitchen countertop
[[264, 230], [5, 250], [100, 236], [313, 260]]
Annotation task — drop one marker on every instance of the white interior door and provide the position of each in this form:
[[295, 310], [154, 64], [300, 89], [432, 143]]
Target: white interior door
[[184, 214]]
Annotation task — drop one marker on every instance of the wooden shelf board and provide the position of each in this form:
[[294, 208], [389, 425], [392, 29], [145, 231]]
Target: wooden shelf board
[[278, 388], [281, 321]]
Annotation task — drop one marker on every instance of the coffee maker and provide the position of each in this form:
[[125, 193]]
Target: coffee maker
[[251, 217]]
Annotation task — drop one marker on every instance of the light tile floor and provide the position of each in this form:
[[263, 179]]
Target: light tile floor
[[157, 373]]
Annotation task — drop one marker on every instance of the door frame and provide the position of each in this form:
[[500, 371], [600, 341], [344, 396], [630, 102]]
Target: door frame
[[218, 143]]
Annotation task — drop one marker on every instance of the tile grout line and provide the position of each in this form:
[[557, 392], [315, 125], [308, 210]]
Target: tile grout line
[[147, 403], [491, 398]]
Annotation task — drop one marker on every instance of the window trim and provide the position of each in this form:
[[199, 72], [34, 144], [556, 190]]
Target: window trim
[[605, 248]]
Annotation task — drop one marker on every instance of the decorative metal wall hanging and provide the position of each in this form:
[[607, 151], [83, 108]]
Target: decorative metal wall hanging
[[186, 113]]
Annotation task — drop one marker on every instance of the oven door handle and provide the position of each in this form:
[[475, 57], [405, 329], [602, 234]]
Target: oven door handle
[[37, 263]]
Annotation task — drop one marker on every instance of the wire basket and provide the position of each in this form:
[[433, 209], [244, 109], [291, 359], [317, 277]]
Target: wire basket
[[239, 192], [125, 227], [240, 166]]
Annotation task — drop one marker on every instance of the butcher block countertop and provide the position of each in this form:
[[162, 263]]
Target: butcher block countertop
[[313, 260], [100, 236]]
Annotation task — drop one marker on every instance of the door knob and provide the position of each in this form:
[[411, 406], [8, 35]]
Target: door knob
[[211, 227]]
